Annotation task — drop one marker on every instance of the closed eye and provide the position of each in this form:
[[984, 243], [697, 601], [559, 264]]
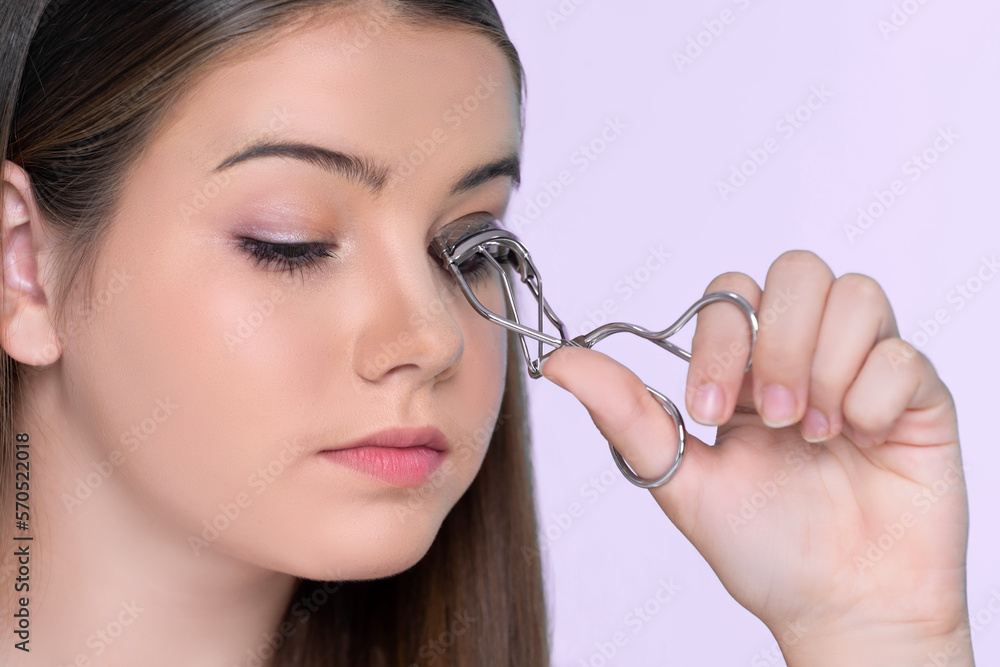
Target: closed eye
[[286, 256]]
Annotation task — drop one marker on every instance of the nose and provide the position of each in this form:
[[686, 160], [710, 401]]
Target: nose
[[409, 331]]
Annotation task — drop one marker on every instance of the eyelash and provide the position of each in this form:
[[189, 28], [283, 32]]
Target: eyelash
[[481, 265], [286, 256], [290, 257]]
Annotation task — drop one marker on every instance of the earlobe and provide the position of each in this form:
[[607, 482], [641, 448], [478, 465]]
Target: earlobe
[[26, 326]]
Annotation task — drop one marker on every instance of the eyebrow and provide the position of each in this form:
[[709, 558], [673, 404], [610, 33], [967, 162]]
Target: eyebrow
[[370, 173]]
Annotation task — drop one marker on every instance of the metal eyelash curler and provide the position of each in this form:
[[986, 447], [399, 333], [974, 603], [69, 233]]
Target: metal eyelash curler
[[482, 239]]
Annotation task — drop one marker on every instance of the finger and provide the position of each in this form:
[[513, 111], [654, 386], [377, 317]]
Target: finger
[[857, 316], [632, 420], [791, 311], [897, 379], [720, 350]]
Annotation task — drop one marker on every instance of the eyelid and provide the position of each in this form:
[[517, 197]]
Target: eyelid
[[267, 252], [468, 224], [268, 256]]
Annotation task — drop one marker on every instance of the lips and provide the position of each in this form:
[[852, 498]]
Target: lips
[[401, 438]]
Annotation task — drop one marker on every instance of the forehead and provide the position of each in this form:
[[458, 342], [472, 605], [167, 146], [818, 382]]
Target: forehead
[[335, 81]]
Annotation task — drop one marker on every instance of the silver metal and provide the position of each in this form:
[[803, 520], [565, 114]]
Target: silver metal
[[482, 238]]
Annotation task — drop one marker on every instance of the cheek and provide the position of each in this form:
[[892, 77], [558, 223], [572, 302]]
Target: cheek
[[486, 344], [200, 375], [485, 356], [189, 379]]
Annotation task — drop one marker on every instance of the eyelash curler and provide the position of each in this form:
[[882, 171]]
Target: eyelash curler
[[481, 239]]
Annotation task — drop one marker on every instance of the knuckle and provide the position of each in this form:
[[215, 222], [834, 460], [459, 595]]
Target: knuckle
[[827, 385], [900, 354], [863, 414], [800, 260], [720, 367], [902, 357], [638, 406], [859, 287], [734, 281]]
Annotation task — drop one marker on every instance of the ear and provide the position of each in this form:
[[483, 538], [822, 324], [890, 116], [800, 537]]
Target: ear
[[28, 335]]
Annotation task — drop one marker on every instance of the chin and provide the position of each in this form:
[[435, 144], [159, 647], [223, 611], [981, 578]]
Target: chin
[[374, 551]]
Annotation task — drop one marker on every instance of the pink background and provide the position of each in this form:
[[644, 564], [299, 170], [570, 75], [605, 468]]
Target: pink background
[[656, 185]]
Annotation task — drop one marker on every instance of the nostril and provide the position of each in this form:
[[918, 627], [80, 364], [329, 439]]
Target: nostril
[[418, 333]]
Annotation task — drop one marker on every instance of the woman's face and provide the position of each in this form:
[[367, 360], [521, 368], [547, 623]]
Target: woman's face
[[211, 380]]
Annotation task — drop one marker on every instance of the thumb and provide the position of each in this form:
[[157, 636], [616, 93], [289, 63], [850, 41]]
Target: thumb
[[632, 420]]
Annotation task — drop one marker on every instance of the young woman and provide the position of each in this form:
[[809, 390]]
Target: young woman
[[215, 230]]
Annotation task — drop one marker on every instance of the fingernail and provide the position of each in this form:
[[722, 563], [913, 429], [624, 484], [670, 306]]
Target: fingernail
[[708, 403], [815, 426], [778, 406], [541, 364]]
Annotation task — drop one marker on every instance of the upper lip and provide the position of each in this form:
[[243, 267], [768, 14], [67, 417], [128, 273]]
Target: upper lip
[[399, 437]]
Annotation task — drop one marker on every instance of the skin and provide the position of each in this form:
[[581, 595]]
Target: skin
[[850, 545], [310, 372], [379, 336]]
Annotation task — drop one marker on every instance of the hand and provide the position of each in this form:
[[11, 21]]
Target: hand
[[859, 538]]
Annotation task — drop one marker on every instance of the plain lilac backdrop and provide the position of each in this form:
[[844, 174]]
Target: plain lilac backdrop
[[682, 128]]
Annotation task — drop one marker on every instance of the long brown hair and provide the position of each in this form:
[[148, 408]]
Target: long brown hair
[[84, 84]]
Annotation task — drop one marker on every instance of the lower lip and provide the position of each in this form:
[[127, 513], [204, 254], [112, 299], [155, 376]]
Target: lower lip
[[399, 466]]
